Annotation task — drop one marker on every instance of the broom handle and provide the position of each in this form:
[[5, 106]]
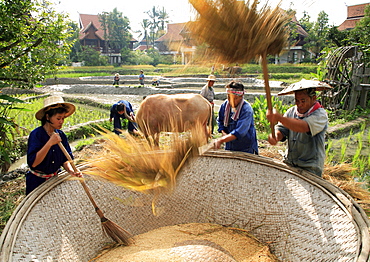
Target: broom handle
[[267, 90], [87, 190]]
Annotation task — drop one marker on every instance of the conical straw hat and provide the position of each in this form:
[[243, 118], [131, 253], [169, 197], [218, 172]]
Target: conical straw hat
[[55, 102], [304, 84]]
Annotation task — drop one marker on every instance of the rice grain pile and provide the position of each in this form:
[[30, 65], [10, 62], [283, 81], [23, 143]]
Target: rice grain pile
[[192, 242]]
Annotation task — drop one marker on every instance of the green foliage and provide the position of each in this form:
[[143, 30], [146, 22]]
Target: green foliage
[[260, 109], [9, 130], [10, 199], [34, 39], [352, 149], [116, 29], [28, 122], [92, 57]]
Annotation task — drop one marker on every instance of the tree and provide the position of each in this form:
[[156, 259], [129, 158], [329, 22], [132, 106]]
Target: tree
[[145, 26], [162, 19], [317, 33], [361, 33], [153, 24], [33, 39], [116, 30], [92, 57], [76, 48]]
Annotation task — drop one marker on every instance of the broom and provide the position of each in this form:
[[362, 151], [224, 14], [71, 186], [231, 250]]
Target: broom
[[117, 233], [236, 32]]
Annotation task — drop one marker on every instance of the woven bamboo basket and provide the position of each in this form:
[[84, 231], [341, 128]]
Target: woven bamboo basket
[[303, 217]]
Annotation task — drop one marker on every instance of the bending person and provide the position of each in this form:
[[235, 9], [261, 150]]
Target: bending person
[[122, 110]]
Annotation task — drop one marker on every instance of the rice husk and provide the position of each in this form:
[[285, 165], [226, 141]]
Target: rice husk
[[192, 242]]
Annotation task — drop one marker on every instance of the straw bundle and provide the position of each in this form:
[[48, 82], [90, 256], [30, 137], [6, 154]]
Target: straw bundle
[[237, 31], [137, 165]]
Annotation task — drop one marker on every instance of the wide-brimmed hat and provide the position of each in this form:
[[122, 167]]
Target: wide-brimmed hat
[[304, 84], [211, 78], [55, 102]]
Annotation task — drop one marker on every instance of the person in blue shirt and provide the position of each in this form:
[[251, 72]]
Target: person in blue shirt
[[141, 77], [44, 156], [122, 110], [236, 122]]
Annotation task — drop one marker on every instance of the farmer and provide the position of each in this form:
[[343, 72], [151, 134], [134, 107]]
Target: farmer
[[304, 126], [116, 80], [122, 109], [44, 156], [208, 93], [141, 78], [236, 123]]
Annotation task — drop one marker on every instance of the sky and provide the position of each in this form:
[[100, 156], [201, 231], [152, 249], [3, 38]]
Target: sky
[[181, 11]]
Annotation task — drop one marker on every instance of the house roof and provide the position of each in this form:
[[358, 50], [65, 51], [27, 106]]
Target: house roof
[[354, 14], [173, 33], [88, 21]]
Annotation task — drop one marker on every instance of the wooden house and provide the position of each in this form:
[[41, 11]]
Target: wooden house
[[92, 35]]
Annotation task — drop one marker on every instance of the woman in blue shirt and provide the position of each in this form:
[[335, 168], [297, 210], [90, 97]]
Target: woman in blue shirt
[[44, 156], [236, 123]]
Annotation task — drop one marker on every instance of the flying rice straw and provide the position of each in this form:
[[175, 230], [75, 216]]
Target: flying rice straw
[[237, 32], [117, 233], [137, 165]]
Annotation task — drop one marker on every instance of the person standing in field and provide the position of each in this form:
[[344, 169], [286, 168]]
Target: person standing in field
[[141, 78], [208, 93], [44, 156]]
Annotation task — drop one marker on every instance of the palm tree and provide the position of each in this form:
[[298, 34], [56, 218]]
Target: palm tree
[[163, 17], [153, 14], [145, 26]]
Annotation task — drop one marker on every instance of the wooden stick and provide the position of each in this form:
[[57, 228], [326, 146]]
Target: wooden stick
[[267, 89], [117, 233]]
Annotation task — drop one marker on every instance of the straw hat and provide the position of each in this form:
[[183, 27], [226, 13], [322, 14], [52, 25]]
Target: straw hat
[[304, 84], [55, 102], [211, 78]]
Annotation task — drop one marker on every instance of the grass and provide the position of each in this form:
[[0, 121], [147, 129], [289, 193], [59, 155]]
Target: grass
[[12, 193]]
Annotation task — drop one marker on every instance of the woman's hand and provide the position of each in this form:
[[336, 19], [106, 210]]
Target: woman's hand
[[54, 138]]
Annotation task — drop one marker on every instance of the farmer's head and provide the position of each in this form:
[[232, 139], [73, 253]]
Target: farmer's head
[[120, 109], [304, 99], [235, 93]]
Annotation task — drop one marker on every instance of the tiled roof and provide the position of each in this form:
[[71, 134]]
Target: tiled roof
[[86, 21], [354, 14], [348, 24], [173, 33]]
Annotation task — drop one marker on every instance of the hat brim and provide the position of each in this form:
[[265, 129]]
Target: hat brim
[[214, 80], [70, 110], [304, 84]]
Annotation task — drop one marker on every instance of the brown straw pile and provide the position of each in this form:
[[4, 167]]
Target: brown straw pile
[[237, 31]]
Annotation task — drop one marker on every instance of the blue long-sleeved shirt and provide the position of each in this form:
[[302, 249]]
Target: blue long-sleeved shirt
[[243, 128], [54, 159]]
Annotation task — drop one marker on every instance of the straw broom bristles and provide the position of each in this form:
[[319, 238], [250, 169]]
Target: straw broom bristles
[[117, 233], [237, 31], [137, 165]]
